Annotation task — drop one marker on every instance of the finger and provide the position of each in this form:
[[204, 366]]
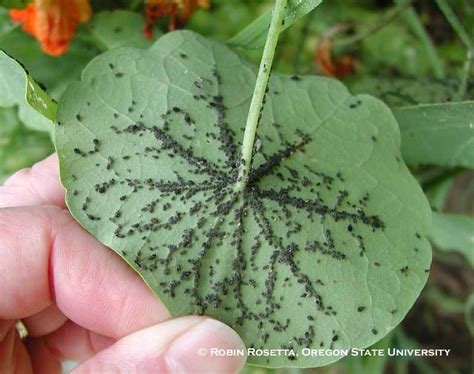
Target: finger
[[75, 343], [45, 322], [42, 360], [38, 185], [7, 345], [5, 326], [13, 356], [171, 347], [55, 259]]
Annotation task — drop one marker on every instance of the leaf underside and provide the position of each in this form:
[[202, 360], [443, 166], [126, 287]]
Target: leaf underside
[[326, 247]]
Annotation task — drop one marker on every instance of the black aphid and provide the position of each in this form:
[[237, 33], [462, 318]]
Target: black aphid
[[110, 161]]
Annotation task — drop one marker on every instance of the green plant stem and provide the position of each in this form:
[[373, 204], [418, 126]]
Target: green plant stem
[[385, 20], [465, 38], [414, 22], [259, 92], [466, 72], [455, 23]]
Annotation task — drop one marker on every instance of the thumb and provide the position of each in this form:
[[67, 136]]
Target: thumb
[[181, 345]]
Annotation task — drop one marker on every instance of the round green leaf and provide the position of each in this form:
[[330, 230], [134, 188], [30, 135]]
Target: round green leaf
[[120, 28], [325, 248]]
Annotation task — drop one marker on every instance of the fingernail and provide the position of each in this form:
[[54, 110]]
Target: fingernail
[[209, 347]]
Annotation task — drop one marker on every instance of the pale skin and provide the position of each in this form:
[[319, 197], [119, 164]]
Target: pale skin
[[80, 301]]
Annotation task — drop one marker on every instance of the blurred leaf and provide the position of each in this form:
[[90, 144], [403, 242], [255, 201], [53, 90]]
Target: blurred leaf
[[8, 120], [56, 73], [19, 146], [149, 144], [394, 47], [19, 4], [36, 109], [437, 194], [405, 91], [469, 313], [454, 232], [443, 301], [253, 36], [6, 25], [225, 20], [437, 134], [403, 341], [455, 23], [120, 28], [413, 21]]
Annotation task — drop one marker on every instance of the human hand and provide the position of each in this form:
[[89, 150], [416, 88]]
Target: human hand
[[79, 301]]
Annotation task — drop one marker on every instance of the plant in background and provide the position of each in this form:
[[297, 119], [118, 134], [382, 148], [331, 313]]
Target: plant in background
[[278, 203], [178, 12]]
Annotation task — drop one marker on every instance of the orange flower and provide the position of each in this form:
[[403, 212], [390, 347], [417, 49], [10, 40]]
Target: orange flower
[[52, 22], [178, 12], [334, 68]]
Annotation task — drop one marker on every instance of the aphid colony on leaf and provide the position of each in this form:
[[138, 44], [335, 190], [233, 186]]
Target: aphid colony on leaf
[[192, 224]]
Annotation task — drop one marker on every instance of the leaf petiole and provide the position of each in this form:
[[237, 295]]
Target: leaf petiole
[[256, 104]]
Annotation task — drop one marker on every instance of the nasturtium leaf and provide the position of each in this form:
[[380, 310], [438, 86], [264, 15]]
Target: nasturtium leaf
[[36, 108], [120, 28], [454, 232], [405, 91], [325, 247], [254, 35], [437, 134]]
